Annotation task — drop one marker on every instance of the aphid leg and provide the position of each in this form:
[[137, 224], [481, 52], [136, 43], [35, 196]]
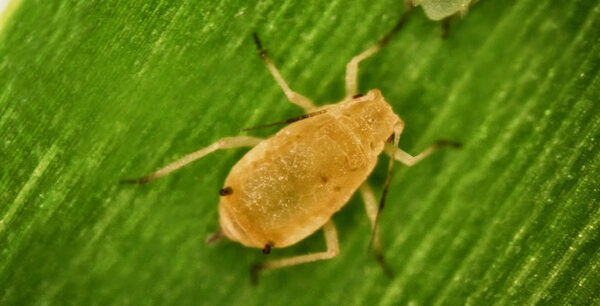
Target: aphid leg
[[292, 96], [223, 143], [352, 71], [410, 160], [371, 207], [351, 77], [215, 237], [446, 27], [332, 250]]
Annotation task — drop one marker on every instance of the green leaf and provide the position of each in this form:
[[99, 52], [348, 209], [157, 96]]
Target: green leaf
[[97, 91]]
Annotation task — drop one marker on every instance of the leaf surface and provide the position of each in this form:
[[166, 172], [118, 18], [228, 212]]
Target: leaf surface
[[97, 91]]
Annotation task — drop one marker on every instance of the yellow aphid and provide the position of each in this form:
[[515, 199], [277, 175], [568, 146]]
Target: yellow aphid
[[288, 186]]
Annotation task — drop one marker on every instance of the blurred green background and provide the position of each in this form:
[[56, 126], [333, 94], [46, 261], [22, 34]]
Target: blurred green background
[[96, 91]]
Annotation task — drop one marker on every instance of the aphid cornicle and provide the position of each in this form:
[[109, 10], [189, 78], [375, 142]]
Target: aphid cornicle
[[288, 186]]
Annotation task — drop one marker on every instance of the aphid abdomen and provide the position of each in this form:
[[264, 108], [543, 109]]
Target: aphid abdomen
[[440, 9], [288, 186]]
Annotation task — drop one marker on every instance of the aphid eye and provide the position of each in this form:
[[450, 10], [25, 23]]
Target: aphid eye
[[225, 191], [357, 96], [390, 139]]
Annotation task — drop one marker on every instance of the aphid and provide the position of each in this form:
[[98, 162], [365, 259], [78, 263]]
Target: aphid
[[288, 186], [443, 10], [440, 9]]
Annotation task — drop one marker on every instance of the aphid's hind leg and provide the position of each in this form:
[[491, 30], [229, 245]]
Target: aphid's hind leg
[[223, 143], [351, 77], [292, 96], [371, 207], [333, 250], [410, 160]]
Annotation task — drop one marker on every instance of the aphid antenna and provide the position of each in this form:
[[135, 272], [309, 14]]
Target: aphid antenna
[[287, 121], [386, 187], [394, 139], [305, 116]]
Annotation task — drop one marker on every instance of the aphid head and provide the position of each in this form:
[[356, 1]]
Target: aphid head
[[375, 120]]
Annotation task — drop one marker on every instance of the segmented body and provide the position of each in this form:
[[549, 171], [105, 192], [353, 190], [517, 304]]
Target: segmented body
[[290, 185], [440, 9]]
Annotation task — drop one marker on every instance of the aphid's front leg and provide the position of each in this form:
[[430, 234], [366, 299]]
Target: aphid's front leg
[[292, 96], [333, 249], [352, 66], [352, 71], [223, 143], [371, 207], [410, 160]]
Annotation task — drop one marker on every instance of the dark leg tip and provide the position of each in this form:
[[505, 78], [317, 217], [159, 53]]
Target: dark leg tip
[[214, 237], [384, 266], [254, 270], [384, 41], [256, 39], [446, 27], [142, 180], [448, 143], [261, 51]]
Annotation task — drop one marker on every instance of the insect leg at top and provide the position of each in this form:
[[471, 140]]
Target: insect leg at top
[[444, 10], [292, 96]]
